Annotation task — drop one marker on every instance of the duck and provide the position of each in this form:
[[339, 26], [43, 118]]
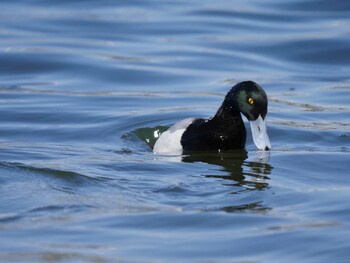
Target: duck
[[226, 130]]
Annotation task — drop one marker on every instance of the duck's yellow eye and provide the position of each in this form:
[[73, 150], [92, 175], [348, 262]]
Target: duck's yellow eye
[[251, 101]]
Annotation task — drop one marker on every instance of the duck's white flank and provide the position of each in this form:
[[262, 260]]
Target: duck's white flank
[[170, 140]]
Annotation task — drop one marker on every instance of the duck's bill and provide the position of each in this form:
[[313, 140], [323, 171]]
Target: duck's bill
[[259, 133]]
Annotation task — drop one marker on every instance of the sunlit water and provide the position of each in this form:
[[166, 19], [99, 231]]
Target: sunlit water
[[84, 85]]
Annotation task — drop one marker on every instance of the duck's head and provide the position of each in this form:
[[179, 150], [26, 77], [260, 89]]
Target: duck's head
[[250, 99]]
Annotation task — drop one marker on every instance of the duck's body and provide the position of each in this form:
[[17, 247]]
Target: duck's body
[[226, 130], [220, 132]]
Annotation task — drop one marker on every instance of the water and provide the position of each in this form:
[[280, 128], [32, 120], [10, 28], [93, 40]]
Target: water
[[84, 83]]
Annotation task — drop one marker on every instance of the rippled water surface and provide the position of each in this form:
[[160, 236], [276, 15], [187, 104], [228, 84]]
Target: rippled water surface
[[83, 86]]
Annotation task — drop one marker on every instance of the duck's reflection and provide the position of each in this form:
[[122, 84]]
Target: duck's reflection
[[245, 173]]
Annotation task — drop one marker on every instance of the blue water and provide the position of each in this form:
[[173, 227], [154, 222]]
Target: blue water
[[83, 84]]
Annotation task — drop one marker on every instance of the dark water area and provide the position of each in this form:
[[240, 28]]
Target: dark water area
[[83, 84]]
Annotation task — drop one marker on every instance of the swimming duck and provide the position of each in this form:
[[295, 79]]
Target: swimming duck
[[224, 131]]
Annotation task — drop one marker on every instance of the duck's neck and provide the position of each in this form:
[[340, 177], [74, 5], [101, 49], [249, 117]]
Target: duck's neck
[[230, 132], [228, 115]]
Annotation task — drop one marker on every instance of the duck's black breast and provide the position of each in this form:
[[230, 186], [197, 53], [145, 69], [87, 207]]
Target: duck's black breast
[[214, 134]]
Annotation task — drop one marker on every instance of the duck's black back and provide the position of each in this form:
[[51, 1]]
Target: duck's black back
[[214, 134]]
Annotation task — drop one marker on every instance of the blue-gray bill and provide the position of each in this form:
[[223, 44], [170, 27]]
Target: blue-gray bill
[[259, 133]]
